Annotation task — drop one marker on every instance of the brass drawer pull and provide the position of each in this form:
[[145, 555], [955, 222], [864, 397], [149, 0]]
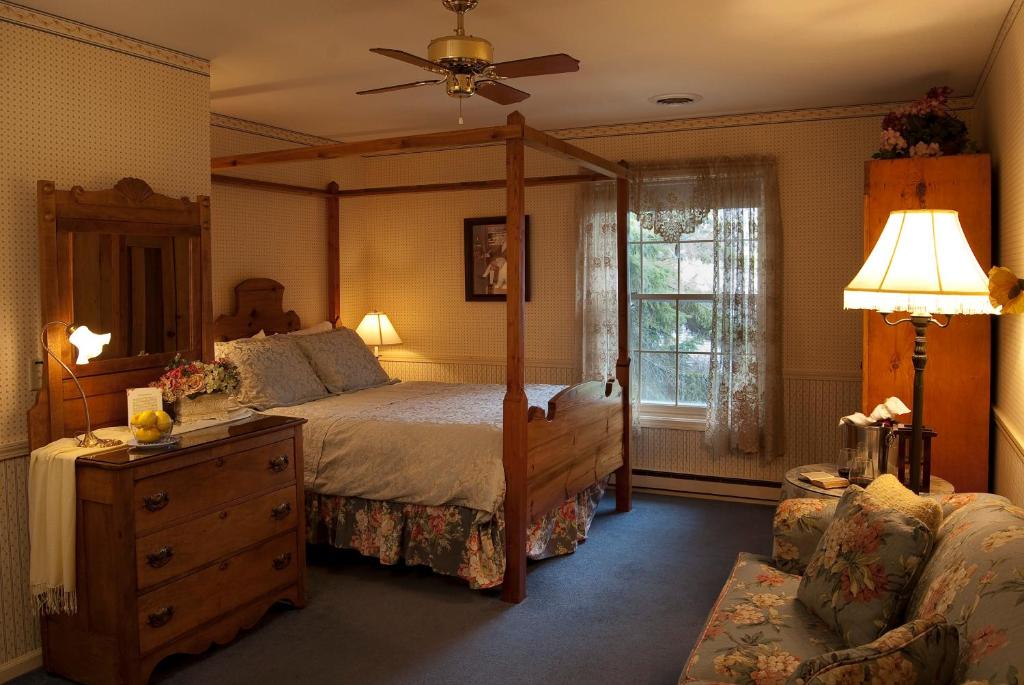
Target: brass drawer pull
[[161, 557], [160, 618], [157, 501], [279, 464], [281, 511], [281, 562]]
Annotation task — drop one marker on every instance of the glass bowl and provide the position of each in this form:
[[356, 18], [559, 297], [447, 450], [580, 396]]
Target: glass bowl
[[151, 427]]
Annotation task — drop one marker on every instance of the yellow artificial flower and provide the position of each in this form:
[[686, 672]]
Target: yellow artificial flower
[[1006, 290]]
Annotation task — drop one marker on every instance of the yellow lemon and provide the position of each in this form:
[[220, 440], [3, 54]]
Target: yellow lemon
[[135, 419], [163, 421], [145, 419], [147, 435]]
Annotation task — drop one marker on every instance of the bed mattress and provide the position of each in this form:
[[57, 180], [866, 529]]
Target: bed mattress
[[415, 442]]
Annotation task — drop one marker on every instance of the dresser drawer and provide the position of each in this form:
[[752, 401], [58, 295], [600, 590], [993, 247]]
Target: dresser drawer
[[189, 545], [161, 499], [170, 611]]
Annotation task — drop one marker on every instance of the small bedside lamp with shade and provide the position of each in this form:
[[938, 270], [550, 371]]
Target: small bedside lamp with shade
[[376, 329], [89, 345], [922, 264]]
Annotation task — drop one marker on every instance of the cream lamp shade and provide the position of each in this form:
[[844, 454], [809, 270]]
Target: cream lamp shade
[[376, 329], [87, 343], [921, 264]]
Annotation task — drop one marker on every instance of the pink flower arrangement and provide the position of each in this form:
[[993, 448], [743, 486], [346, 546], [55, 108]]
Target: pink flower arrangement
[[185, 378], [924, 128]]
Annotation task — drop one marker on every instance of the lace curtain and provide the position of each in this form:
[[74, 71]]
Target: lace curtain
[[597, 303], [737, 199], [596, 281]]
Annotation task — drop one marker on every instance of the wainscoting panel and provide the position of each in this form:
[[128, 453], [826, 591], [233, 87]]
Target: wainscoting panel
[[813, 409], [1009, 459], [19, 629]]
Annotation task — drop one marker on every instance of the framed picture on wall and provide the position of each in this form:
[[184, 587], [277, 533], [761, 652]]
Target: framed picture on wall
[[486, 261]]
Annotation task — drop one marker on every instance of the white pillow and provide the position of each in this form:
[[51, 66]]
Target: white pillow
[[218, 347], [321, 327]]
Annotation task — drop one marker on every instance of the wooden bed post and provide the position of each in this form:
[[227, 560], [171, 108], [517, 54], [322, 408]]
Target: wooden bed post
[[624, 474], [333, 255], [514, 446]]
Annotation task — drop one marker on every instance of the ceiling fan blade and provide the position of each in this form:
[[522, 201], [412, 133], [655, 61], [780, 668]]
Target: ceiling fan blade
[[500, 93], [400, 86], [560, 63], [410, 58]]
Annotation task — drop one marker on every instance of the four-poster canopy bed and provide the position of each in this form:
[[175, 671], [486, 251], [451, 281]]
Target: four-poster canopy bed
[[548, 456]]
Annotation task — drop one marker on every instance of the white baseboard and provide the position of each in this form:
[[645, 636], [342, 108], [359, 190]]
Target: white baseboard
[[20, 666], [755, 494]]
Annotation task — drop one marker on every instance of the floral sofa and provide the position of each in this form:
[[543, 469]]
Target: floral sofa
[[969, 597]]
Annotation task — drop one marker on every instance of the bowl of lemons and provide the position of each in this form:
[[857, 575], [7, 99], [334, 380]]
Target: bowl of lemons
[[152, 429]]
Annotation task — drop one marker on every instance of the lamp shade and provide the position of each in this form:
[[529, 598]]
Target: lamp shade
[[87, 343], [921, 264], [376, 329]]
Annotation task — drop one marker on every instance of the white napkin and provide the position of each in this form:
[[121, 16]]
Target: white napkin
[[888, 410]]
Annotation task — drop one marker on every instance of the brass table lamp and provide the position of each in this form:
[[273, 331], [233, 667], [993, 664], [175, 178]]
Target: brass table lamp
[[89, 345]]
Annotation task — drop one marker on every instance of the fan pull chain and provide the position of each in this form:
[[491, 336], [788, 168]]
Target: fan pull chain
[[461, 122]]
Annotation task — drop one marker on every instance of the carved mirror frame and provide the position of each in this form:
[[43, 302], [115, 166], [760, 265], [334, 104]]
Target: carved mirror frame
[[131, 207]]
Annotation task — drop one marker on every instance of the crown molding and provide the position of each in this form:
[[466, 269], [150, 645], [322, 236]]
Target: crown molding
[[749, 119], [267, 131], [997, 45], [84, 33]]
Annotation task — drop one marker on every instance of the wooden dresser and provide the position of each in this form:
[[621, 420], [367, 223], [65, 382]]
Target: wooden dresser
[[180, 549]]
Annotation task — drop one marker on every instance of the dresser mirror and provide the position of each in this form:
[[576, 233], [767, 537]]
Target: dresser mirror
[[134, 285], [125, 261]]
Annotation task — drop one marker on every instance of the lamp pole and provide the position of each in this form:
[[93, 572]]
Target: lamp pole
[[920, 322]]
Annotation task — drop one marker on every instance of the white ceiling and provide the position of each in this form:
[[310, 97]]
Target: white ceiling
[[297, 64]]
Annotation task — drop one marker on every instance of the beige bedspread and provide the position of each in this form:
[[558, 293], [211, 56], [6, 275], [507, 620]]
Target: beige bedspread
[[414, 442]]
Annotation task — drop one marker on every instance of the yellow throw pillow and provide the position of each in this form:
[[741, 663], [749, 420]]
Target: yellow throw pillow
[[889, 491]]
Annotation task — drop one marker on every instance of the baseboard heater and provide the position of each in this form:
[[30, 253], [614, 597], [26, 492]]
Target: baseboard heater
[[709, 486]]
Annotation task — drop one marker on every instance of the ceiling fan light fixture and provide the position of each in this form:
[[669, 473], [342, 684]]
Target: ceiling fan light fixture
[[675, 99]]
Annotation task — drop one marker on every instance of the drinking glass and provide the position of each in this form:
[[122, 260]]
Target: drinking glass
[[847, 455]]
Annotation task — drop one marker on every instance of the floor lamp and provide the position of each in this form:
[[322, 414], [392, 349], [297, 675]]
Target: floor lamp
[[922, 265]]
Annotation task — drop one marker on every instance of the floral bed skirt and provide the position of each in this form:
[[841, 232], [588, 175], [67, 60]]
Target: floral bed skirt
[[451, 540]]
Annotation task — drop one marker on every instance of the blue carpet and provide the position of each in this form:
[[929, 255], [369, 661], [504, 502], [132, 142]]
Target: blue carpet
[[625, 608]]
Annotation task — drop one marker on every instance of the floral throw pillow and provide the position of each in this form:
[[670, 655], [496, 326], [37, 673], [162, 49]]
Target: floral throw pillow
[[922, 652], [864, 568]]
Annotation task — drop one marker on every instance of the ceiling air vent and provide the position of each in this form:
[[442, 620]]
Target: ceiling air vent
[[675, 99]]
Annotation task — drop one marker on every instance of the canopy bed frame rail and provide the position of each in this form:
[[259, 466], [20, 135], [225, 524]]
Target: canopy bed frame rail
[[584, 434]]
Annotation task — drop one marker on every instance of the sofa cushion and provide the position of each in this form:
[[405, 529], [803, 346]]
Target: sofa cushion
[[796, 530], [864, 568], [757, 632], [975, 578], [890, 492], [922, 652]]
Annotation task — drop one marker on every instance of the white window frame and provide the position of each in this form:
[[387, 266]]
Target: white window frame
[[677, 416]]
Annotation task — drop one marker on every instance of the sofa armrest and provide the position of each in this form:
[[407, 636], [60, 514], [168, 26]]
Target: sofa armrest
[[796, 529]]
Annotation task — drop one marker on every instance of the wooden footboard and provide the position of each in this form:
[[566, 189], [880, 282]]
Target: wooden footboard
[[576, 443]]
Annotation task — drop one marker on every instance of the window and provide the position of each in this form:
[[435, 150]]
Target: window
[[672, 294], [672, 291]]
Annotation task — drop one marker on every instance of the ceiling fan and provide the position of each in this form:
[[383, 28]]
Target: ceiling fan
[[465, 64]]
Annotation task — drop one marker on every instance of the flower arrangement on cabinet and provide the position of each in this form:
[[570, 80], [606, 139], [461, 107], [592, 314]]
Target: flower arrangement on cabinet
[[185, 379], [1005, 290], [925, 128]]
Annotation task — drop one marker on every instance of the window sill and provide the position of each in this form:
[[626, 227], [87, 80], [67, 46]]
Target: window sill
[[675, 418]]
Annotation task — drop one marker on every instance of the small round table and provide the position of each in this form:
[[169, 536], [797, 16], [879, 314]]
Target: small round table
[[793, 487]]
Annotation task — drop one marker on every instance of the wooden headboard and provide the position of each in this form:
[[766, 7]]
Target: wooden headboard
[[258, 306]]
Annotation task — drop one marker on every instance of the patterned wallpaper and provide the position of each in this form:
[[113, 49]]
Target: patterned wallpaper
[[999, 106], [79, 107], [270, 235]]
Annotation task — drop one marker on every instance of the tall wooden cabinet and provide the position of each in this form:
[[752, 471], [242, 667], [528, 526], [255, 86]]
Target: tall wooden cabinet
[[957, 378]]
